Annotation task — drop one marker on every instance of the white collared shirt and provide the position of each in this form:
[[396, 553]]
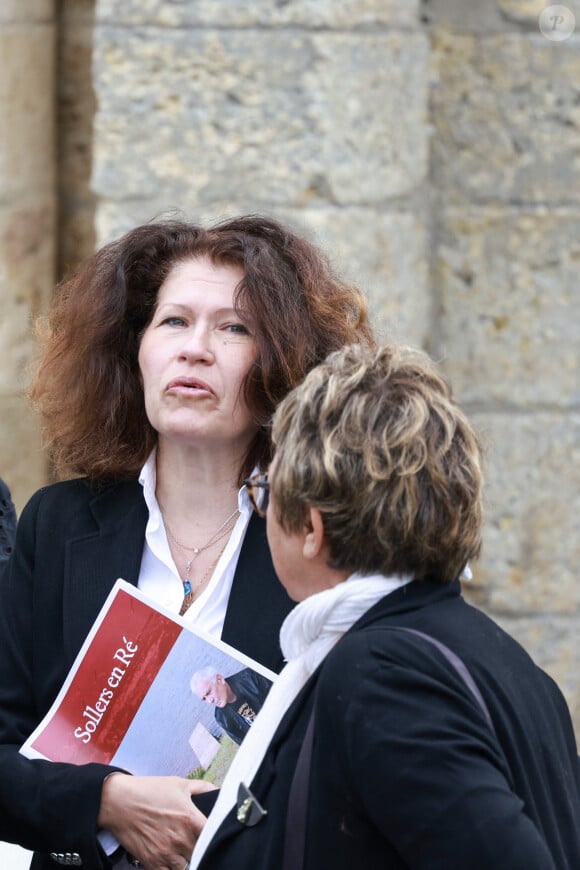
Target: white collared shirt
[[159, 578]]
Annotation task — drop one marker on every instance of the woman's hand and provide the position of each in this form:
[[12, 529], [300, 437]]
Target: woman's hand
[[153, 817]]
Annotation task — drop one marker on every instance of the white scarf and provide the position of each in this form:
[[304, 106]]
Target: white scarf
[[308, 634]]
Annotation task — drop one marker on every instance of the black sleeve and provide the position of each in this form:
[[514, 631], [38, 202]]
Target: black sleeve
[[7, 523], [44, 806], [205, 801]]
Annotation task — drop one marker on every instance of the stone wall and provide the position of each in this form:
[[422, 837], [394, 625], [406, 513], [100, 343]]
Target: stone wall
[[430, 148], [505, 107], [213, 108], [27, 221]]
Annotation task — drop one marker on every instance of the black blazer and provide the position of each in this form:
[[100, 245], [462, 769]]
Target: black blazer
[[73, 541], [406, 772], [7, 523]]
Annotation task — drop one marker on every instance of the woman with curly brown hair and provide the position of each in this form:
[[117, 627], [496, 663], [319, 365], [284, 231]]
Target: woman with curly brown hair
[[164, 358]]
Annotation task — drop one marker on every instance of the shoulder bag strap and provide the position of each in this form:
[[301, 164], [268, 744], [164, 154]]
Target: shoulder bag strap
[[295, 836], [458, 665]]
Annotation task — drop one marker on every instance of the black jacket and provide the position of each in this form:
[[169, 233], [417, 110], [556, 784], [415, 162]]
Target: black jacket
[[7, 523], [73, 541], [406, 773]]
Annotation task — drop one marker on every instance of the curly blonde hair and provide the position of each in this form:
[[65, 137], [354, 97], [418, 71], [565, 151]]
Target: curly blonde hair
[[375, 441]]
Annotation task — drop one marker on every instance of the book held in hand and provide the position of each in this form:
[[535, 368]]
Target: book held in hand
[[128, 700]]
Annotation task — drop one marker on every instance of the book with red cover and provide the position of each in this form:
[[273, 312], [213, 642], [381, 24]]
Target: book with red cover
[[127, 700]]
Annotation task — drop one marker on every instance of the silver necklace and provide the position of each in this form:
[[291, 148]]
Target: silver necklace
[[220, 533], [197, 550]]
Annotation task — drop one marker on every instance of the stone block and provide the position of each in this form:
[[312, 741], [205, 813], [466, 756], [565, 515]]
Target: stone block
[[206, 116], [457, 16], [26, 283], [532, 531], [509, 321], [506, 112], [385, 254], [26, 11], [26, 110], [528, 11], [260, 13], [115, 217], [521, 10]]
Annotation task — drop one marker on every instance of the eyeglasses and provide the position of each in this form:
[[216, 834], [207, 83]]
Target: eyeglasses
[[254, 484]]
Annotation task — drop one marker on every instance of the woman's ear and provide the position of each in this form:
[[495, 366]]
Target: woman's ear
[[313, 534]]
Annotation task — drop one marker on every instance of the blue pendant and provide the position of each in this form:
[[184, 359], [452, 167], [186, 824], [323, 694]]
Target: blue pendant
[[186, 587]]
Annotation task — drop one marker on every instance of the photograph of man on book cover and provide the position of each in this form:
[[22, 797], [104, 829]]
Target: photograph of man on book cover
[[237, 698], [128, 700]]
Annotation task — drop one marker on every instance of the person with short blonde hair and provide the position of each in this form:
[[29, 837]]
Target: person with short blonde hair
[[407, 731], [381, 449]]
